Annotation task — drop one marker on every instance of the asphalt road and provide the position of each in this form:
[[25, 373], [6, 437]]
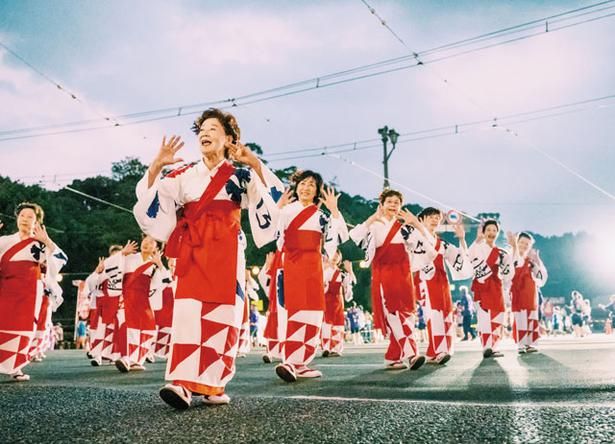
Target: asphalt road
[[565, 393]]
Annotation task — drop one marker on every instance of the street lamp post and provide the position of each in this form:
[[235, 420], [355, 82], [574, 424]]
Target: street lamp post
[[387, 134]]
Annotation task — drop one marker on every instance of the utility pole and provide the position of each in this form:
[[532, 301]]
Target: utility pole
[[387, 134]]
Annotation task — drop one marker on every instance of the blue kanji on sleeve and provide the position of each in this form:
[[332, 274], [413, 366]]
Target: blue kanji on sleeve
[[235, 189], [275, 194], [152, 210]]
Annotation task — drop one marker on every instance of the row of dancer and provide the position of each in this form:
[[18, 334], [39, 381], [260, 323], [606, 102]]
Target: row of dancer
[[196, 209], [131, 307]]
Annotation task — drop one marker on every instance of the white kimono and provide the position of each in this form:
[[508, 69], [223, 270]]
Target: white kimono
[[21, 298], [155, 213]]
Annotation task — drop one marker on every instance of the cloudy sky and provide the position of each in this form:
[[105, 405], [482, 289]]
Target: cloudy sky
[[122, 57]]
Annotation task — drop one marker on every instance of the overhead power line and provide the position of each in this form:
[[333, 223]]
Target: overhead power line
[[557, 22]]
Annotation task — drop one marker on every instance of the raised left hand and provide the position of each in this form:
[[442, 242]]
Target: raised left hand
[[533, 255], [241, 154], [286, 198], [460, 231], [409, 218], [329, 199], [157, 259], [40, 234]]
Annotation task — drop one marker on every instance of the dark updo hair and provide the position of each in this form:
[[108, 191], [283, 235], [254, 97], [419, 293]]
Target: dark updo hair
[[300, 176], [38, 210], [388, 192], [490, 222], [526, 235], [429, 211], [227, 120]]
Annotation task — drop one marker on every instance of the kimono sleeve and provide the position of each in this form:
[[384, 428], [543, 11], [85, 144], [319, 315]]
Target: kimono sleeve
[[113, 273], [423, 253], [55, 295], [506, 268], [539, 273], [54, 260], [263, 213], [92, 282], [160, 280], [336, 233], [480, 268], [458, 262], [362, 236], [155, 210]]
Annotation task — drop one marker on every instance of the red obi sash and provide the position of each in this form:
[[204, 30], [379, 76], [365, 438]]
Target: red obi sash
[[136, 299], [18, 290], [523, 289], [205, 243], [391, 273], [303, 283], [490, 294], [164, 316], [334, 305], [438, 286], [107, 305]]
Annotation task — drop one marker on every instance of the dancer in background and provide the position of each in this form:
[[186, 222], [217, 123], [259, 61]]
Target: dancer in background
[[162, 303], [338, 288], [303, 231], [386, 237], [43, 337], [530, 276], [96, 333], [21, 290], [108, 278], [435, 289], [493, 270]]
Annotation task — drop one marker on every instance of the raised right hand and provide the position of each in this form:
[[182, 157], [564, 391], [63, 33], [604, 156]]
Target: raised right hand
[[130, 248], [166, 154], [101, 265], [378, 214], [286, 198]]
